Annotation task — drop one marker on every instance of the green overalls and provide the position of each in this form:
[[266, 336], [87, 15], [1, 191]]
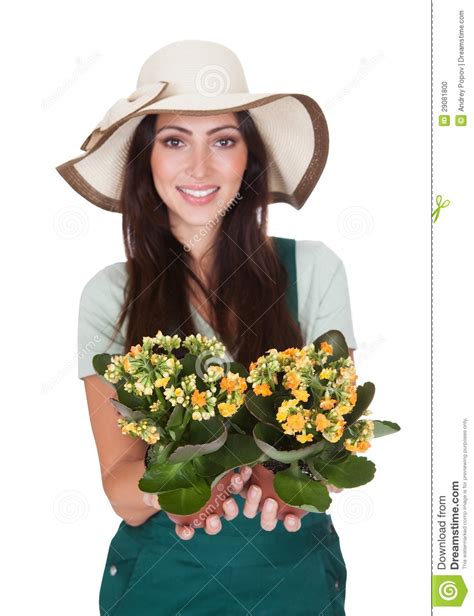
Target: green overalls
[[242, 570]]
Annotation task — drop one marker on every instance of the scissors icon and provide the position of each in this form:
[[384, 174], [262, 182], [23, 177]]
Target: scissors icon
[[441, 204]]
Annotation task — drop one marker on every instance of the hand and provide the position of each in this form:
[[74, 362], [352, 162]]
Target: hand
[[220, 503], [261, 496]]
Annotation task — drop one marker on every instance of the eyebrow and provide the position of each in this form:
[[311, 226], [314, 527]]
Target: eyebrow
[[189, 132]]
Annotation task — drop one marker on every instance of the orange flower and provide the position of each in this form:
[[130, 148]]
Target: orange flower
[[198, 398], [358, 447], [296, 422], [300, 394], [327, 403], [326, 347], [236, 383], [262, 390], [252, 366], [322, 422], [292, 380], [126, 364], [290, 352], [135, 350], [302, 438]]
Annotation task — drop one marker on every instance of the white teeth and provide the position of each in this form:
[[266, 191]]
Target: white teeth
[[198, 193]]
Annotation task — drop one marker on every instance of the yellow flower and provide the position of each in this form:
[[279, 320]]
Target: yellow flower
[[226, 409], [303, 438], [326, 373], [263, 390], [282, 414], [162, 382], [296, 422]]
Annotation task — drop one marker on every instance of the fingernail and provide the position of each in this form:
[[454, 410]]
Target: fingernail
[[214, 522], [186, 532], [269, 504], [253, 491], [291, 521], [247, 471]]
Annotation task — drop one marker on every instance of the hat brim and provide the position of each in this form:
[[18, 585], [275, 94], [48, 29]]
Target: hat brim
[[292, 126]]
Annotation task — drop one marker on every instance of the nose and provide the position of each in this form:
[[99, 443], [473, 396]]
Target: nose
[[199, 161]]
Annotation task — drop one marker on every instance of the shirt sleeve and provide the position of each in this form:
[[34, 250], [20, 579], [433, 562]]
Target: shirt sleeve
[[324, 295], [99, 308]]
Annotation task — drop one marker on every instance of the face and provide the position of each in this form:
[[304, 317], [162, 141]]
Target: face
[[197, 165]]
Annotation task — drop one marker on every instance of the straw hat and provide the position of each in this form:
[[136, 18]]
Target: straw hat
[[194, 77]]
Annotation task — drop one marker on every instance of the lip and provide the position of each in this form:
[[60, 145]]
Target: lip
[[197, 186], [198, 200]]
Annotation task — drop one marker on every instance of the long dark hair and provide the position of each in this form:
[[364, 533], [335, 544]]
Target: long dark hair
[[248, 279]]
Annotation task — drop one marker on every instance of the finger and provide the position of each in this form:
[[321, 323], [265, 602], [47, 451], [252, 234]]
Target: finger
[[151, 500], [292, 523], [236, 484], [252, 501], [332, 488], [213, 525], [184, 532], [246, 473], [268, 519], [231, 510]]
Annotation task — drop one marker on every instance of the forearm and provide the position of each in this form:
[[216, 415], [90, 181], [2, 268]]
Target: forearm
[[126, 498]]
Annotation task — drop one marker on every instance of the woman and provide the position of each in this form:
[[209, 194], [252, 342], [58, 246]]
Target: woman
[[193, 172]]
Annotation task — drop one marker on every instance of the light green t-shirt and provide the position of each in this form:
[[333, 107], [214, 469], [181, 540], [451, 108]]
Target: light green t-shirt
[[323, 304]]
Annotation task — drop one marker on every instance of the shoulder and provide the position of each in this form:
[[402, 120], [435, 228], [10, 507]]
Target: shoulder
[[317, 253], [110, 280], [316, 265]]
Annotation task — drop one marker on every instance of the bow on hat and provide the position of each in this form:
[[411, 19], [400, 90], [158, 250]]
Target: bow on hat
[[122, 109]]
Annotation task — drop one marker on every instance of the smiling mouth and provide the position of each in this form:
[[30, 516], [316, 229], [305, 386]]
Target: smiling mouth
[[198, 194]]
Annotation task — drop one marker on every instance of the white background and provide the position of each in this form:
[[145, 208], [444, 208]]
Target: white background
[[368, 65]]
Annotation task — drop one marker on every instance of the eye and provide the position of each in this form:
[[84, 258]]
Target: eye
[[165, 141], [227, 139]]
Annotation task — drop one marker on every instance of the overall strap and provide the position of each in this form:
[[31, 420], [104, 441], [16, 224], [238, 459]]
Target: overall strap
[[286, 249]]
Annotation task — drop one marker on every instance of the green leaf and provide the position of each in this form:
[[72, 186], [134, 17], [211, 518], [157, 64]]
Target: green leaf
[[298, 490], [242, 420], [189, 363], [204, 431], [124, 410], [175, 422], [336, 339], [239, 369], [280, 446], [180, 489], [238, 450], [186, 500], [262, 408], [382, 428], [189, 452], [351, 472], [130, 400], [100, 362], [167, 476]]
